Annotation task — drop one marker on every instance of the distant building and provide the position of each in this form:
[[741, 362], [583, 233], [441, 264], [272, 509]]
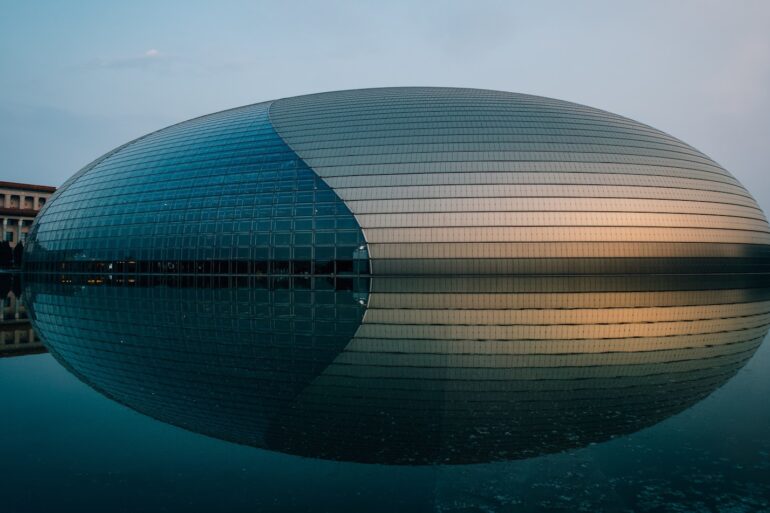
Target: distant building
[[19, 204]]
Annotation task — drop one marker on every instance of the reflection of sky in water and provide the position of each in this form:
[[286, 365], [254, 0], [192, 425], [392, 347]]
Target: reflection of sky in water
[[465, 370]]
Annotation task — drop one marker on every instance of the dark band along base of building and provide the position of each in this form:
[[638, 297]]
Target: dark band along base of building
[[403, 276], [403, 181]]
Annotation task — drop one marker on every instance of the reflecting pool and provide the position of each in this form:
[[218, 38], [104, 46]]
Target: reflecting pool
[[320, 393]]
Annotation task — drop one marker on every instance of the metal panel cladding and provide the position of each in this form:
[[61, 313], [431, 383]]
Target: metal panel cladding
[[448, 180]]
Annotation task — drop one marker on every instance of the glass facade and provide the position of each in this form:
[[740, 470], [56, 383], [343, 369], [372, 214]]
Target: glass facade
[[221, 194]]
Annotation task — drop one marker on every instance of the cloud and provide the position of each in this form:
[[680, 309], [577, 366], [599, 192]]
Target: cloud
[[152, 58]]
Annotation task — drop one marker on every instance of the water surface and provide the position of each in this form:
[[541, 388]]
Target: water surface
[[534, 394]]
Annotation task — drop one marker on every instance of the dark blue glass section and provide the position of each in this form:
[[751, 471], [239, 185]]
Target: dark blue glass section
[[218, 194]]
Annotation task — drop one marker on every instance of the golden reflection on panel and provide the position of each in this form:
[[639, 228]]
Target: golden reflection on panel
[[553, 204], [722, 194], [510, 219], [443, 166]]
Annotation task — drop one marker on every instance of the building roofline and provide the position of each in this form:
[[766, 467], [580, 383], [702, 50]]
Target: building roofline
[[27, 187]]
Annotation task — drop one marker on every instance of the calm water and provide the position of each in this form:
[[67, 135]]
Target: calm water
[[514, 394]]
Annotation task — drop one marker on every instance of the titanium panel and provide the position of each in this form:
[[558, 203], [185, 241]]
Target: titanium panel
[[465, 156]]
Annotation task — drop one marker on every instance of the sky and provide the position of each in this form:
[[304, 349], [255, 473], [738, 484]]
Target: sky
[[80, 78]]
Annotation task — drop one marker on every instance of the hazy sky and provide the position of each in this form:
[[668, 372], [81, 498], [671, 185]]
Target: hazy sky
[[79, 78]]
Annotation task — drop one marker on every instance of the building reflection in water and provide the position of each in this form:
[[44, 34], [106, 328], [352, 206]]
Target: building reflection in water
[[17, 338], [405, 371]]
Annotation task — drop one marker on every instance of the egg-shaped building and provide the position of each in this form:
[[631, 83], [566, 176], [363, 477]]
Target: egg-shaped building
[[403, 275], [405, 181]]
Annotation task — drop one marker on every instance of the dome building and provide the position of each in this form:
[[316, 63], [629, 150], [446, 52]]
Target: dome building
[[400, 181], [403, 276]]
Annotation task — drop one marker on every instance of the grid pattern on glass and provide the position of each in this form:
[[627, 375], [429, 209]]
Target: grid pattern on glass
[[440, 165], [217, 194]]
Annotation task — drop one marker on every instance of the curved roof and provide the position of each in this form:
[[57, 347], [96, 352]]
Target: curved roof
[[457, 174], [427, 180]]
